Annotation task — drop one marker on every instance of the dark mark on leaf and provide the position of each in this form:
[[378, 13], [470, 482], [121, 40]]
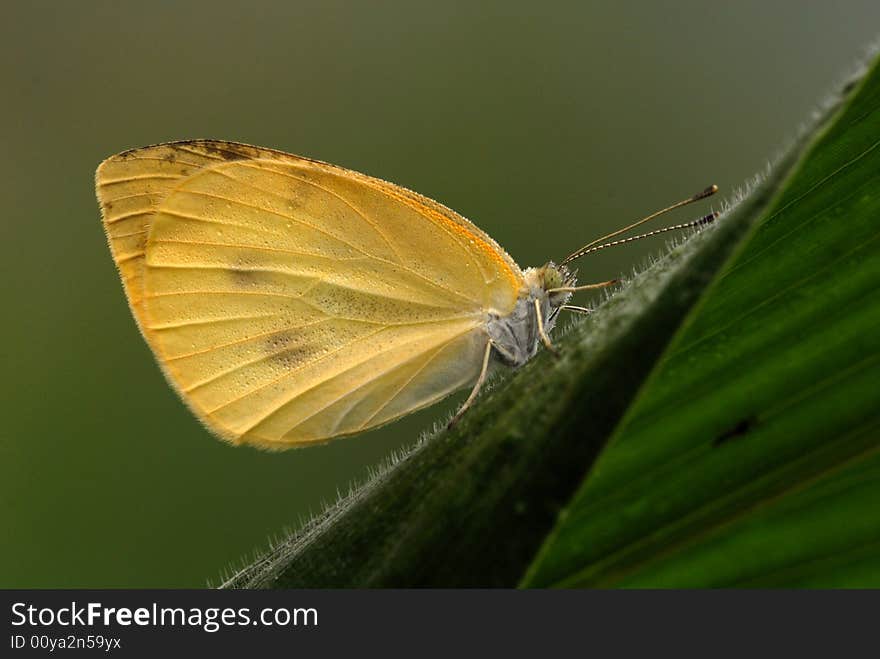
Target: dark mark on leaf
[[848, 87], [740, 429]]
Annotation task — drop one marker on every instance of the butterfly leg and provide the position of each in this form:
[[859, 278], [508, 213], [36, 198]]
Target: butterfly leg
[[477, 386], [576, 309], [543, 334]]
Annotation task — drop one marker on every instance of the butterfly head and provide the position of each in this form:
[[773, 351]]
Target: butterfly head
[[550, 277]]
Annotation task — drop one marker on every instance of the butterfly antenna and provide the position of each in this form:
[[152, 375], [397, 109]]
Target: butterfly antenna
[[706, 219], [595, 245]]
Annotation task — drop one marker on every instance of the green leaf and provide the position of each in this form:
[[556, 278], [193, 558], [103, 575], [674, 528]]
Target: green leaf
[[472, 506], [750, 457]]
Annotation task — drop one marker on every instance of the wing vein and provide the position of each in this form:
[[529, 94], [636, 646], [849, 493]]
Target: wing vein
[[130, 234], [291, 218], [174, 161], [274, 235], [261, 248], [280, 377], [246, 339], [127, 216], [367, 382], [207, 321], [200, 218], [342, 373], [359, 212], [140, 177], [403, 386], [259, 293]]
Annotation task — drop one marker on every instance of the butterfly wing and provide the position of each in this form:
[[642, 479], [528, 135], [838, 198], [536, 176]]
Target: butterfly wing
[[291, 301]]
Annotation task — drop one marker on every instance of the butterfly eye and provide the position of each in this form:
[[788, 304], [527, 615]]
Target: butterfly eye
[[552, 277]]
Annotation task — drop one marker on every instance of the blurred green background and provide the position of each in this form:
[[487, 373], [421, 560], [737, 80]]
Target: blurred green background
[[545, 123]]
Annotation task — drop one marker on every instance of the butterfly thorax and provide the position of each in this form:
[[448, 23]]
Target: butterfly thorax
[[515, 337]]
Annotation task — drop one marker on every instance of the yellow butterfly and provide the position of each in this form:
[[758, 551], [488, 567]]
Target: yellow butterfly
[[290, 301]]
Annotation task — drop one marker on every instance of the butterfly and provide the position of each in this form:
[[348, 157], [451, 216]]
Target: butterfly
[[290, 301]]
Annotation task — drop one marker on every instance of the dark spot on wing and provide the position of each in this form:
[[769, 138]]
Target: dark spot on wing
[[228, 151], [278, 341], [245, 271], [294, 356], [298, 197], [303, 173], [743, 427], [243, 276], [171, 156]]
